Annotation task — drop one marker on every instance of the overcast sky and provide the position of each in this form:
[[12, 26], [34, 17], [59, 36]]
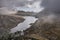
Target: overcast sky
[[31, 5], [10, 3], [25, 5]]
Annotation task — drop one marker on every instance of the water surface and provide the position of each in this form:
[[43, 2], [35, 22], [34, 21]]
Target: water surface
[[24, 25]]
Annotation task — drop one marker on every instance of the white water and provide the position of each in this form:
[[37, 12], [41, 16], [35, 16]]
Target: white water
[[24, 25]]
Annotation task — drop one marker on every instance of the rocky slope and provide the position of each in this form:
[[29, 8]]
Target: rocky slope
[[48, 27], [9, 21]]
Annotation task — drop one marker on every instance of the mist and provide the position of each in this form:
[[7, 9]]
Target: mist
[[30, 6], [22, 5], [51, 5]]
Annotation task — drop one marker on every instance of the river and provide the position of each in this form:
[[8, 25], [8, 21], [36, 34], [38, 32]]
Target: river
[[24, 25]]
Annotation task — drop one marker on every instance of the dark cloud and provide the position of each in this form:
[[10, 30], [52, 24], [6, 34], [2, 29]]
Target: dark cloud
[[52, 5], [10, 3]]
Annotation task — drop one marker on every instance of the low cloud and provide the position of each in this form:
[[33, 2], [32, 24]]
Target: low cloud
[[48, 19], [34, 7], [25, 5]]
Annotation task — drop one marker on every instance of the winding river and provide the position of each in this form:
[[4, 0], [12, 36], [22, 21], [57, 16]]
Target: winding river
[[24, 25]]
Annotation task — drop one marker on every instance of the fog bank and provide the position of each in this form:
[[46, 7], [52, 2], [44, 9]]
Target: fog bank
[[51, 5]]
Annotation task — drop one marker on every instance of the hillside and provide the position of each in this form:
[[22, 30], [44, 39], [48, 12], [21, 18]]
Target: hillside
[[9, 21]]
